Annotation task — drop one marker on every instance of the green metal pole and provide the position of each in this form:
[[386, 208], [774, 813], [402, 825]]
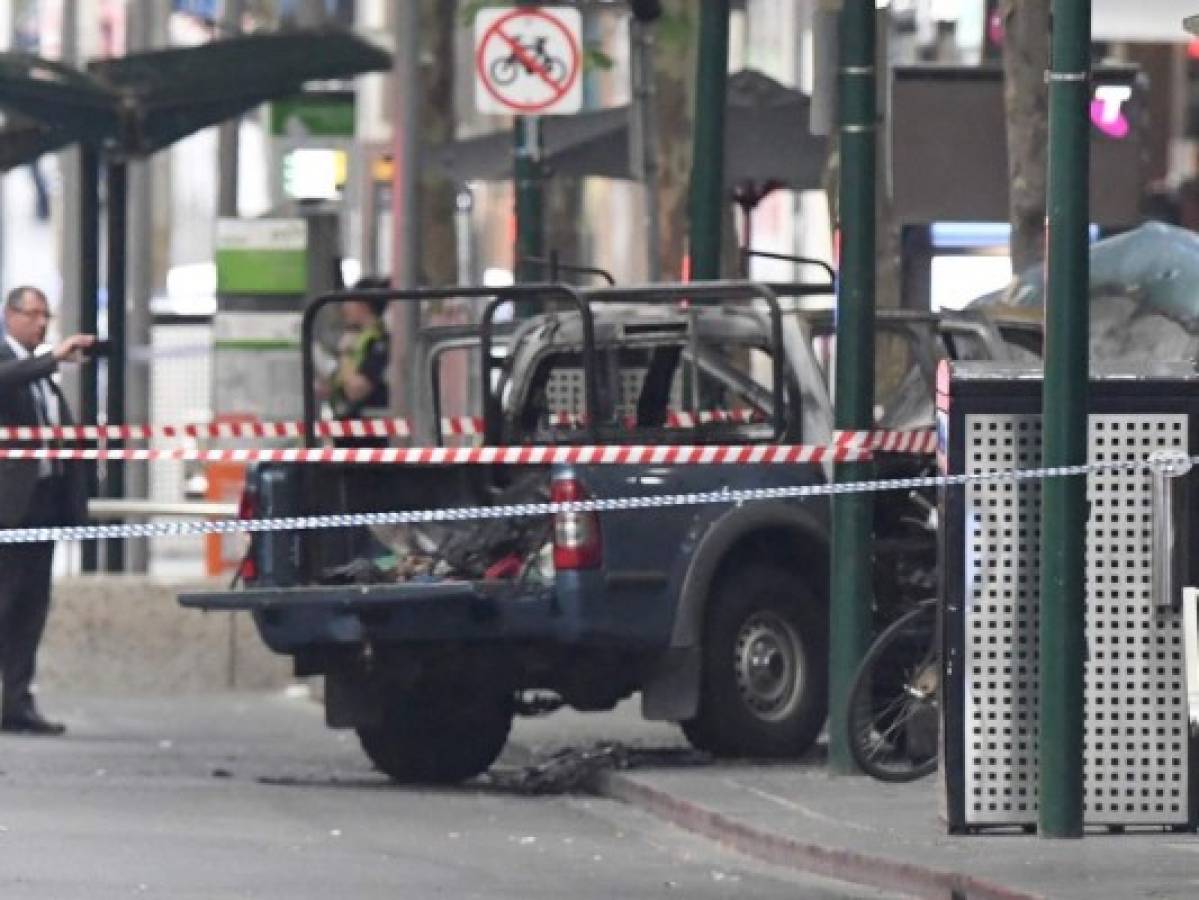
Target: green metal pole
[[530, 191], [707, 167], [89, 291], [117, 181], [851, 587], [1064, 425]]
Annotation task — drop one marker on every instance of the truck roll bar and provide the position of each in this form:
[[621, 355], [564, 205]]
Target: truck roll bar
[[520, 293]]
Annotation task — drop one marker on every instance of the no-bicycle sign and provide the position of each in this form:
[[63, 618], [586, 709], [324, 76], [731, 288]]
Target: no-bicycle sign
[[527, 60]]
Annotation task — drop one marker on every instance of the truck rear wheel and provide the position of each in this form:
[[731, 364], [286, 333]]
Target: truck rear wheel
[[764, 688], [428, 737]]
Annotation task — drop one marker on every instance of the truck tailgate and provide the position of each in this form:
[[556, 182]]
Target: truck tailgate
[[292, 618], [339, 596]]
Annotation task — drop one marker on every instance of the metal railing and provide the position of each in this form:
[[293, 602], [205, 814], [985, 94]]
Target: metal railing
[[114, 508]]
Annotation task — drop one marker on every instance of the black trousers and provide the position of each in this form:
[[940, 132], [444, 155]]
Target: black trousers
[[25, 598]]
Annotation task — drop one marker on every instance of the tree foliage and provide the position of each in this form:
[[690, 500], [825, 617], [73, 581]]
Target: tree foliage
[[674, 91]]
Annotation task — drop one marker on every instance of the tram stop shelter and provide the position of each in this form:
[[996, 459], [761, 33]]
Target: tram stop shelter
[[126, 108]]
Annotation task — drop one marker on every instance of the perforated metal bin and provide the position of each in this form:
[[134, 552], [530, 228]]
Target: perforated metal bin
[[1138, 748]]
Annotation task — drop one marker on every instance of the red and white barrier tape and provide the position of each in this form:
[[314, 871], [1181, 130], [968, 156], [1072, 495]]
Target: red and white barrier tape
[[457, 426], [332, 428], [912, 442], [462, 426], [674, 419], [888, 441], [633, 454]]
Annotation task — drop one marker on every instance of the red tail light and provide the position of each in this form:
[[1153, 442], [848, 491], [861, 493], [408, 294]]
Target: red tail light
[[576, 534], [247, 508]]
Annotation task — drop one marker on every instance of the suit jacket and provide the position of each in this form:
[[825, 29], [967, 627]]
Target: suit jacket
[[19, 477]]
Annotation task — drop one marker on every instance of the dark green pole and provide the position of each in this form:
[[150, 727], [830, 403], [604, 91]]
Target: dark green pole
[[707, 167], [89, 291], [118, 203], [1064, 425], [530, 199], [851, 587]]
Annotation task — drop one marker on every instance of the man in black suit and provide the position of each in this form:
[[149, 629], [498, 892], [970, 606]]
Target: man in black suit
[[33, 493]]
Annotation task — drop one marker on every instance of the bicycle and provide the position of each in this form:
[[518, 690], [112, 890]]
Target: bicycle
[[531, 57], [893, 715]]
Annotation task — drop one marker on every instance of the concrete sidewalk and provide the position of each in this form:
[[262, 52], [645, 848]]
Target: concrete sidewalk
[[890, 835], [856, 829]]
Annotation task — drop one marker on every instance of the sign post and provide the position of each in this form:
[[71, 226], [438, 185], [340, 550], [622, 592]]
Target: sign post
[[529, 187], [527, 63]]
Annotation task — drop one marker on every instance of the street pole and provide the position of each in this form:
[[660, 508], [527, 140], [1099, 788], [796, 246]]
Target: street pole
[[643, 144], [405, 209], [227, 132], [707, 166], [851, 588], [68, 213], [311, 13], [88, 233], [464, 203], [1064, 426], [145, 31], [530, 199], [7, 22], [118, 201]]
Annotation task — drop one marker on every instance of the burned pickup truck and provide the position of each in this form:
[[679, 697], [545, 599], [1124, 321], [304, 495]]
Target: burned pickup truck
[[432, 637]]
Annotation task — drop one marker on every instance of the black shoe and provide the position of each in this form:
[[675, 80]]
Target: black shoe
[[31, 723]]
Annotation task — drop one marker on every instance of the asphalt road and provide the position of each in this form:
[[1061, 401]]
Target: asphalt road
[[251, 796]]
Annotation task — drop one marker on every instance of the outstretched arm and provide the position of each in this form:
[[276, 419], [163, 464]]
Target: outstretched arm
[[19, 372]]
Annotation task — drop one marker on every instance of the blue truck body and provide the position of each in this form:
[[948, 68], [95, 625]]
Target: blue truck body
[[715, 612]]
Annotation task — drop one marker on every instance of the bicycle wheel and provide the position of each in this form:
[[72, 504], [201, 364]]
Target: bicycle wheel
[[503, 70], [894, 709]]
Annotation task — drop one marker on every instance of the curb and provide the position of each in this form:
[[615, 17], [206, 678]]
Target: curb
[[836, 863]]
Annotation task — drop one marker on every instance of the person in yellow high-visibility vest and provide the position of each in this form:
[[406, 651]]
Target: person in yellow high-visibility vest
[[358, 387]]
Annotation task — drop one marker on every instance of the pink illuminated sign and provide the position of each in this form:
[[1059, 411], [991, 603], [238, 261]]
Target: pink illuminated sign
[[1107, 110]]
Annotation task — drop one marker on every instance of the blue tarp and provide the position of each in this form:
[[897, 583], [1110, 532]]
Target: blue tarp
[[1144, 295], [1155, 263]]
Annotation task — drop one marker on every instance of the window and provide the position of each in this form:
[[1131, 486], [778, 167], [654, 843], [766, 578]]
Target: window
[[659, 393], [903, 391]]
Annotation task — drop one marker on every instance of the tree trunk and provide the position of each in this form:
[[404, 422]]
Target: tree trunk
[[438, 247], [674, 72], [1026, 102], [887, 243]]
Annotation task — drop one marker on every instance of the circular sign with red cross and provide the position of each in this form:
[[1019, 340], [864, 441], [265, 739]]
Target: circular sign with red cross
[[527, 60]]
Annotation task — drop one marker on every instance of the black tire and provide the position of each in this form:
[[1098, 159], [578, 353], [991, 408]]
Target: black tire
[[764, 685], [894, 701], [427, 737]]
